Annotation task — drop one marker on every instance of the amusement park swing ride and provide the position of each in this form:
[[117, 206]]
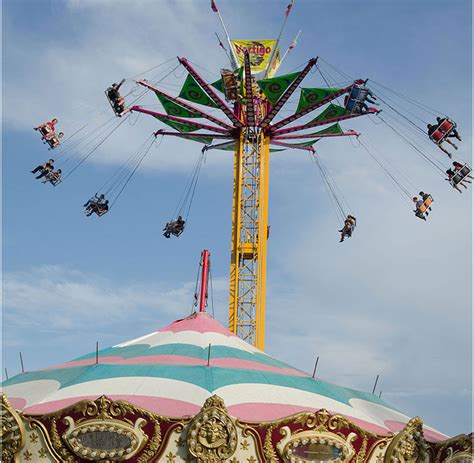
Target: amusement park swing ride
[[195, 391], [250, 97]]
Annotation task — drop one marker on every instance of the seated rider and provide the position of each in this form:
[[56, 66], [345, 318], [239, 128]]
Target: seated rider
[[231, 89], [97, 205], [458, 167], [417, 211], [357, 102], [450, 173], [101, 208], [53, 177], [348, 228], [117, 100], [95, 199], [443, 137], [175, 227], [47, 127], [44, 169], [53, 139], [424, 196]]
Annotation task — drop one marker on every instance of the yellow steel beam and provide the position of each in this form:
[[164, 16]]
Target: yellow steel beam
[[234, 259], [262, 243]]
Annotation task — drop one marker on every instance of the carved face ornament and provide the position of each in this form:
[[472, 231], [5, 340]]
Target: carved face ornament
[[213, 434]]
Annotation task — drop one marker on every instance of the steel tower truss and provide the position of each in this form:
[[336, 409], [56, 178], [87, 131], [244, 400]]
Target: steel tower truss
[[249, 236]]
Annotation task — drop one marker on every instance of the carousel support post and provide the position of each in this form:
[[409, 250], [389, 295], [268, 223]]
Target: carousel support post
[[21, 362], [315, 366], [375, 385]]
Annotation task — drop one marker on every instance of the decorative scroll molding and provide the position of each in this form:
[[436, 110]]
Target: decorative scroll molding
[[103, 430], [409, 445], [38, 442], [308, 425], [290, 443], [13, 432], [113, 440], [212, 435], [456, 450]]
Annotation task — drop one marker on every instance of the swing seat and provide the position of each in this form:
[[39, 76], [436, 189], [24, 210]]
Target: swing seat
[[230, 85], [44, 131], [424, 207], [113, 105], [438, 136], [173, 228], [359, 94], [353, 106], [53, 180], [177, 233], [52, 141], [357, 98], [460, 175], [100, 211], [465, 171], [442, 131], [447, 126], [95, 208]]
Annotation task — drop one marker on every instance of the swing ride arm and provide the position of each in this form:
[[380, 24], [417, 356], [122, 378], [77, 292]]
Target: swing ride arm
[[349, 133], [193, 135], [184, 104], [309, 125], [199, 125], [311, 108], [222, 106], [288, 145]]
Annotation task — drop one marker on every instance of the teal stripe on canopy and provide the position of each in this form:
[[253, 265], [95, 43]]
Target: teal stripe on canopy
[[188, 350], [209, 378]]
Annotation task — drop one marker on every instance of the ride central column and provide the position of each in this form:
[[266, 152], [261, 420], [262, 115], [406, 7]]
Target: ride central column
[[249, 237]]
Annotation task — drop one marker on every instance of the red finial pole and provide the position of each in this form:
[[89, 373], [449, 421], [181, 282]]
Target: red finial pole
[[204, 279]]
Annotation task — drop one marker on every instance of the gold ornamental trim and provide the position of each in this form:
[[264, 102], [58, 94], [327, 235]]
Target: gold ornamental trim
[[318, 423], [39, 427], [212, 435], [409, 445], [320, 420], [112, 417], [129, 440], [290, 443], [458, 449], [13, 432]]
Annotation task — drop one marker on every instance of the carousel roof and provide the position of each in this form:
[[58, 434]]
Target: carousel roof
[[167, 372]]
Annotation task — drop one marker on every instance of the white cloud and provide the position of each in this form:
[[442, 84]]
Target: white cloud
[[61, 299]]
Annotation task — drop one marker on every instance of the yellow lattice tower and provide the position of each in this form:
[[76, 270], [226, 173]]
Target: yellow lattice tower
[[249, 236]]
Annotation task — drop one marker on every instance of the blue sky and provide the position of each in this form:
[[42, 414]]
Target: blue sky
[[394, 300]]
